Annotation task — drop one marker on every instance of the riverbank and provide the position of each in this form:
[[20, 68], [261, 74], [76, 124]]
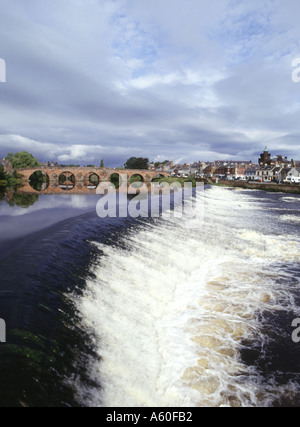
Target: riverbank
[[10, 182], [273, 188]]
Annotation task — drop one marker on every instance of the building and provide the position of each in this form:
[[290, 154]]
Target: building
[[231, 169], [209, 171], [289, 174], [251, 173], [270, 169], [276, 173], [268, 174], [168, 166], [8, 168], [184, 171], [238, 163], [265, 158]]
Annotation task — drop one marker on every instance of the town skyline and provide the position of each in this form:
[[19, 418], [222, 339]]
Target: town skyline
[[154, 160], [269, 168]]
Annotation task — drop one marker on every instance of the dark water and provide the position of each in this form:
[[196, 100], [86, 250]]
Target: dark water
[[45, 252], [63, 334]]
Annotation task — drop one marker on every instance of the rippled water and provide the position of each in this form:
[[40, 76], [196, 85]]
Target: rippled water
[[151, 313]]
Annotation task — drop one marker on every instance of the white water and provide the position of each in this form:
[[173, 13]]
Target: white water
[[290, 218], [171, 312]]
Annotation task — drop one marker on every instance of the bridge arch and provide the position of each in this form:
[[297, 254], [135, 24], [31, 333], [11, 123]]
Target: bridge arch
[[116, 179], [136, 177], [93, 180], [67, 180], [39, 180]]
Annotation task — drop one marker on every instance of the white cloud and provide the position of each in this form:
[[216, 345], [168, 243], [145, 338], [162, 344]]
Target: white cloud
[[80, 152], [46, 150], [89, 79], [19, 143]]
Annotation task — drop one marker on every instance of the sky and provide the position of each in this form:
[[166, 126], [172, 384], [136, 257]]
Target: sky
[[181, 80]]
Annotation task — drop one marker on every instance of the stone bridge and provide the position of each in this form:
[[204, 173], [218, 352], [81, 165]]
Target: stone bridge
[[81, 179]]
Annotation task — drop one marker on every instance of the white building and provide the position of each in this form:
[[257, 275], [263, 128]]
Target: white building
[[290, 174], [251, 173]]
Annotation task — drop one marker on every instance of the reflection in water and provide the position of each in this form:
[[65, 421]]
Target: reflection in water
[[13, 198], [39, 181], [67, 187], [2, 193], [22, 200], [18, 219]]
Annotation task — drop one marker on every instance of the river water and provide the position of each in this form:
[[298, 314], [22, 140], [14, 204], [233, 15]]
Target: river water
[[122, 312]]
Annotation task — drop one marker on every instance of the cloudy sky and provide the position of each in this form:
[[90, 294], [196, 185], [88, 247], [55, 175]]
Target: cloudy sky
[[181, 80]]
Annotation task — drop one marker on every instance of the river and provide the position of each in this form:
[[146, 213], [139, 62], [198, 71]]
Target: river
[[120, 312]]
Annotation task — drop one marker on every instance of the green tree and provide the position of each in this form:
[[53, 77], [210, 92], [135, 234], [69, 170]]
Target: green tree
[[137, 163], [2, 173], [157, 164], [10, 156], [102, 164], [39, 180], [22, 160]]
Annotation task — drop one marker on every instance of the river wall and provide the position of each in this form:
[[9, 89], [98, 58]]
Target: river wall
[[275, 188]]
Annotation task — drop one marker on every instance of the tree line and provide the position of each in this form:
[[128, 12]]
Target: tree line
[[13, 162]]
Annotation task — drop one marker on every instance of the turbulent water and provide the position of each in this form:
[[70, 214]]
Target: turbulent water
[[160, 314], [194, 317]]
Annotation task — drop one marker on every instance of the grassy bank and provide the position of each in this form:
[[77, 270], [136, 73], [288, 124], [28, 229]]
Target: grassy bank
[[273, 188]]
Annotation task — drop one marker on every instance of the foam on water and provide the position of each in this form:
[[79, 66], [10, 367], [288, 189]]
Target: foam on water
[[290, 199], [171, 309], [290, 218]]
